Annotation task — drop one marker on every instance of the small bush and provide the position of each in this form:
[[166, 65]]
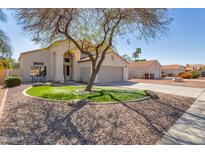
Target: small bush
[[180, 73], [13, 81], [186, 75], [195, 74]]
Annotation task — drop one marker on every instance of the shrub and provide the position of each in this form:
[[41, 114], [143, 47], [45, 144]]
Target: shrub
[[195, 74], [13, 81], [180, 73], [186, 75]]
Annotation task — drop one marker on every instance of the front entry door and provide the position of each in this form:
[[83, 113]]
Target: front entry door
[[67, 72]]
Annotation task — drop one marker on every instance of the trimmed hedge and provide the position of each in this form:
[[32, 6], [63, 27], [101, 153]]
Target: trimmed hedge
[[13, 81]]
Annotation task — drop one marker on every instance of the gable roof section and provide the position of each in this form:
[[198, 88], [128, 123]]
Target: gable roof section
[[88, 59], [57, 42], [32, 51], [171, 67], [44, 49], [143, 64]]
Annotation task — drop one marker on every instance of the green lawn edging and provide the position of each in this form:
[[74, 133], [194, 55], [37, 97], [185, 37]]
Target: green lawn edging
[[101, 95]]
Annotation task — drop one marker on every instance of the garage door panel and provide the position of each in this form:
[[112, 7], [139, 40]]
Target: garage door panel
[[110, 74], [85, 74]]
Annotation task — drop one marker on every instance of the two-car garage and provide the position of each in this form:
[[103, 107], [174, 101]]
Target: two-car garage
[[105, 74], [110, 74], [113, 69]]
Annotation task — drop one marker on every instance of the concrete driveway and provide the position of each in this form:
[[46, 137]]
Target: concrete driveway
[[175, 90]]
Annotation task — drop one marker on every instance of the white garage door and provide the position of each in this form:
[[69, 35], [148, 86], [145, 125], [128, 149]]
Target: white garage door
[[110, 74], [85, 74]]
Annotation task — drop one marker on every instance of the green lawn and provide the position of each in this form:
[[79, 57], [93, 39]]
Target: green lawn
[[100, 94]]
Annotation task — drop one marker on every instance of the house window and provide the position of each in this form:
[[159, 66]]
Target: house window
[[38, 71], [112, 58], [38, 63], [67, 60]]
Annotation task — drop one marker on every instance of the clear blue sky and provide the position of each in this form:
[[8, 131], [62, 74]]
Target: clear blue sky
[[185, 42]]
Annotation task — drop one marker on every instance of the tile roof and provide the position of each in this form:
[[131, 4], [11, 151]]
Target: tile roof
[[88, 59], [142, 64], [60, 41], [171, 67]]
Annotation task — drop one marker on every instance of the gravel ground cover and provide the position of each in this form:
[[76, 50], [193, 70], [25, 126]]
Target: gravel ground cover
[[32, 121], [2, 90]]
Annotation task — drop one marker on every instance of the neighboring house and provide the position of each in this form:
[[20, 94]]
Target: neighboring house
[[171, 70], [63, 61], [191, 67], [145, 69]]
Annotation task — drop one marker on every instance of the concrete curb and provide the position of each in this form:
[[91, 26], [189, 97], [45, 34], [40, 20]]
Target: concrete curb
[[74, 101]]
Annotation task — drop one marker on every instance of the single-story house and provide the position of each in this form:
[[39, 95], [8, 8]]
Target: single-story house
[[191, 67], [63, 61], [171, 70], [149, 69]]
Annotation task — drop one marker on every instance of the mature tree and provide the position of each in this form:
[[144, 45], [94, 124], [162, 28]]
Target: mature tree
[[5, 63], [136, 54], [5, 48], [15, 64], [127, 57], [93, 31]]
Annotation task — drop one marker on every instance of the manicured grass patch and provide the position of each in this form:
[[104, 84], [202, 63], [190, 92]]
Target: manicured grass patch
[[99, 94]]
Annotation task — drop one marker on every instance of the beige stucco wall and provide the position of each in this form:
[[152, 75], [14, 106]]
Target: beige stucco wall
[[26, 61], [173, 72], [53, 59], [117, 61], [155, 69], [135, 72], [57, 62]]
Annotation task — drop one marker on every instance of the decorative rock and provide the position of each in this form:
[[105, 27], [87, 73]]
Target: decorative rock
[[47, 84], [151, 94], [37, 84], [177, 79], [42, 84]]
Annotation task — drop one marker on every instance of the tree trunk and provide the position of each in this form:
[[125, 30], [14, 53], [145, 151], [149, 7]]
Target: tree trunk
[[91, 80]]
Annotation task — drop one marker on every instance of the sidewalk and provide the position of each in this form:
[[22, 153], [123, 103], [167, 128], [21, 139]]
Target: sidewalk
[[189, 129]]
